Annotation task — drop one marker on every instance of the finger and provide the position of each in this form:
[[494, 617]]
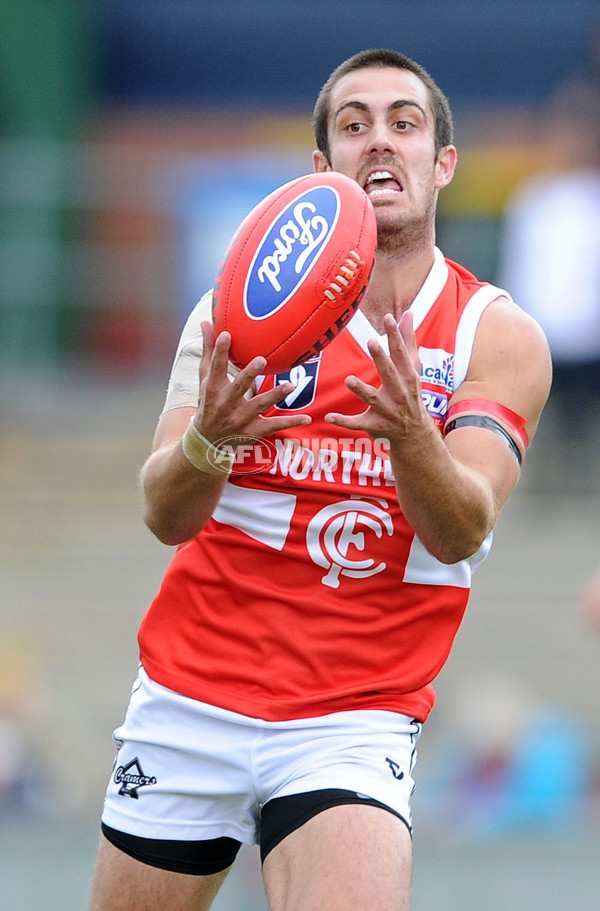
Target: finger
[[407, 332], [266, 400], [273, 425], [391, 367], [396, 341], [397, 338], [403, 359], [215, 357], [245, 380], [406, 324], [208, 344], [208, 335], [220, 353], [347, 421], [364, 391]]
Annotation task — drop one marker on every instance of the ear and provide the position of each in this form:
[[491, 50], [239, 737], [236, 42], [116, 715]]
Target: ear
[[320, 162], [445, 166]]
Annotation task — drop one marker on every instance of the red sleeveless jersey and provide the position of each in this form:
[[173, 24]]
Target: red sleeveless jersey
[[308, 592]]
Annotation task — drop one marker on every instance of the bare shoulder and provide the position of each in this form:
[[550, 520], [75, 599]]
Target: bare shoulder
[[510, 362], [509, 325]]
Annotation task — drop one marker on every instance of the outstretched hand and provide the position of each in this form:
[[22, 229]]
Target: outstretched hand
[[227, 407], [396, 406]]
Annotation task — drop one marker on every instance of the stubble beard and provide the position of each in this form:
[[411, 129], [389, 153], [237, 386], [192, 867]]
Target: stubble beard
[[406, 233]]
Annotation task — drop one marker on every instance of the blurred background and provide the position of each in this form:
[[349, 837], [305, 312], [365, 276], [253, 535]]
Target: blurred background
[[134, 135]]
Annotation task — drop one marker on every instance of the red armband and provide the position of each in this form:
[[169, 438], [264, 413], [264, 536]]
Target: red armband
[[512, 423]]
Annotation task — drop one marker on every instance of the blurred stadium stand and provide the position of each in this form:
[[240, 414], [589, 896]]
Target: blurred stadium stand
[[266, 52], [104, 102]]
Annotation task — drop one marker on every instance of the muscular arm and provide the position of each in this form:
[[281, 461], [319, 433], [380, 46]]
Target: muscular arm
[[452, 489], [178, 498]]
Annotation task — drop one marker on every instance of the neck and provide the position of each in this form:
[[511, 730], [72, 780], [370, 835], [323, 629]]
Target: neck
[[397, 278]]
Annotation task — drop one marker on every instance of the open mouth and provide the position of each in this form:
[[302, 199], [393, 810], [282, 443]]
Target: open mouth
[[382, 183]]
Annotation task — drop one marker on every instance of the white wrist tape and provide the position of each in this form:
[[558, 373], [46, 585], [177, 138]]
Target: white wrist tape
[[203, 455]]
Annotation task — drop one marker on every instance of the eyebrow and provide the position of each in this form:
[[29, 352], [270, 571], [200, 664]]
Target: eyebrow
[[394, 106]]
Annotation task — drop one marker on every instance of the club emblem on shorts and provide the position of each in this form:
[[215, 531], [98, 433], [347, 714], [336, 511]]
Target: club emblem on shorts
[[132, 778], [395, 769]]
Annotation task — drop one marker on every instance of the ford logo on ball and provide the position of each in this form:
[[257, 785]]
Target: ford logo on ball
[[289, 249]]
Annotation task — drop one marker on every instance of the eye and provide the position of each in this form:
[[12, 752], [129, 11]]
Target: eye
[[354, 127]]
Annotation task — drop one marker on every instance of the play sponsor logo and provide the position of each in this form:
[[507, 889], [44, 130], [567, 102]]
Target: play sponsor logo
[[289, 249]]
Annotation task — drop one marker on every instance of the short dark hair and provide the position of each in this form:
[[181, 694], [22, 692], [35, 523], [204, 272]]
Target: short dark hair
[[380, 57]]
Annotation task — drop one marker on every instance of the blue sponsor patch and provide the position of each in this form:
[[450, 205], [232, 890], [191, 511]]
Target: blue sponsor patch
[[435, 403], [304, 378], [289, 249]]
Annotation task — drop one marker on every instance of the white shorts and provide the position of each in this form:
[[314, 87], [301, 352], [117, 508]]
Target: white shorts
[[188, 771]]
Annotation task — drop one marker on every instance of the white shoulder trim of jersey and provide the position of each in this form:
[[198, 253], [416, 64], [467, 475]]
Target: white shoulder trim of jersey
[[467, 327], [362, 330], [431, 289]]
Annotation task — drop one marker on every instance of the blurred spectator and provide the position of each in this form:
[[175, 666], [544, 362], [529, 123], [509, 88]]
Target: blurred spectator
[[590, 601], [24, 783], [550, 260], [589, 605], [511, 764]]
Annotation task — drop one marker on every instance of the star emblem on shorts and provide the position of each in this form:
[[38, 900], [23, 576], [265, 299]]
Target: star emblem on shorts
[[131, 778]]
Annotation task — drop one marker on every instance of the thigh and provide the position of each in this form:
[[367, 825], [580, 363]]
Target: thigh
[[124, 884], [350, 856]]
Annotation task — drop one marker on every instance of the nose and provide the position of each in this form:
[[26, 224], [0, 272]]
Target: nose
[[381, 138]]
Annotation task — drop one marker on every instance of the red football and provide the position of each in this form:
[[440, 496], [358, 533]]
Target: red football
[[296, 270]]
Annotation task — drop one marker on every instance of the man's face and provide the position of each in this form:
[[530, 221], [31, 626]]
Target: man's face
[[381, 134]]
